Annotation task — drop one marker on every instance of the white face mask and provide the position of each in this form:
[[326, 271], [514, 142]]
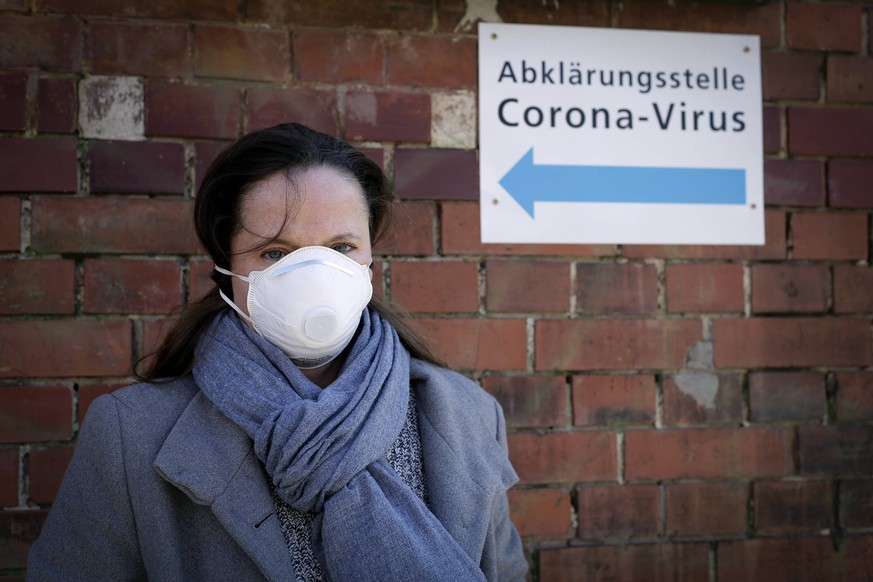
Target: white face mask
[[308, 303]]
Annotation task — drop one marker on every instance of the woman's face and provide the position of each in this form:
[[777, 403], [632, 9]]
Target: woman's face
[[324, 207]]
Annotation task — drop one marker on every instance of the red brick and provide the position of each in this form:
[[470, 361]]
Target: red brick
[[150, 167], [790, 288], [396, 15], [696, 287], [200, 279], [773, 248], [527, 286], [436, 174], [13, 93], [10, 223], [45, 470], [708, 453], [18, 530], [614, 399], [789, 342], [852, 289], [794, 182], [478, 344], [706, 509], [531, 401], [410, 231], [12, 5], [790, 75], [564, 457], [58, 106], [88, 393], [160, 9], [704, 17], [616, 288], [338, 57], [850, 79], [179, 110], [112, 225], [618, 511], [64, 348], [40, 286], [772, 121], [850, 183], [829, 236], [703, 398], [656, 562], [856, 503], [34, 413], [784, 396], [423, 61], [315, 108], [792, 506], [205, 153], [540, 513], [460, 234], [828, 27], [835, 449], [829, 131], [132, 286], [387, 116], [802, 558], [233, 52], [590, 13], [9, 476], [854, 396], [148, 50], [614, 344], [442, 287], [51, 44], [23, 163]]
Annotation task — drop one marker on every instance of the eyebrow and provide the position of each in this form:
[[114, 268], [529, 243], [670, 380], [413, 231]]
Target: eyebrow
[[335, 238]]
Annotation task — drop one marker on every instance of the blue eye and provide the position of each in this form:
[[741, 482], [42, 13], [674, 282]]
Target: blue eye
[[343, 248], [274, 254]]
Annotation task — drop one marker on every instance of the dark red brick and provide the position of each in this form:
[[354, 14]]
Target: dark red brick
[[205, 153], [790, 288], [18, 5], [850, 79], [146, 50], [630, 562], [828, 27], [234, 52], [527, 286], [51, 44], [616, 288], [792, 506], [338, 57], [396, 15], [88, 393], [23, 163], [790, 75], [436, 174], [820, 235], [706, 509], [694, 398], [618, 511], [794, 183], [39, 286], [132, 286], [159, 9], [10, 223], [316, 108], [564, 457], [440, 287], [177, 110], [478, 344], [855, 396], [540, 513], [35, 413], [704, 287], [9, 474], [531, 401], [200, 278], [58, 106], [856, 503], [150, 167], [45, 470], [13, 97], [411, 231], [772, 121], [830, 131], [785, 396], [850, 183], [852, 287], [614, 399], [18, 530], [835, 449], [387, 116], [424, 61]]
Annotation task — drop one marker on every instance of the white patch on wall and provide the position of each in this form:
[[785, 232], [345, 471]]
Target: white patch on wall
[[112, 108], [484, 10], [701, 386], [453, 120]]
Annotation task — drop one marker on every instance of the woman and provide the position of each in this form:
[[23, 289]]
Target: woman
[[289, 426]]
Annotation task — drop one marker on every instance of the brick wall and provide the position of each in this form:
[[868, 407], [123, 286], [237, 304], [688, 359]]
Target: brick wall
[[676, 412]]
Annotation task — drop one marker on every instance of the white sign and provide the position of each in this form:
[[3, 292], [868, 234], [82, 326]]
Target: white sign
[[596, 135]]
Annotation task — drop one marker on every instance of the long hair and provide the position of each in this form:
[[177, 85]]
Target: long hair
[[289, 148]]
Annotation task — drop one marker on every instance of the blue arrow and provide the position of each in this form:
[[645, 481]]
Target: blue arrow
[[529, 183]]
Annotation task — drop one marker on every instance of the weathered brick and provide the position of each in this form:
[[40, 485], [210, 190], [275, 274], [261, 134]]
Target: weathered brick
[[112, 107], [789, 342], [132, 286], [618, 511], [410, 231], [23, 163], [88, 393], [591, 13], [205, 153], [177, 110], [10, 223], [772, 121], [441, 287], [792, 506], [150, 167], [706, 509], [153, 333], [703, 398], [235, 52], [58, 105], [613, 344], [35, 413], [829, 27], [790, 75], [790, 288], [614, 399], [852, 289], [540, 513], [338, 57], [316, 108], [478, 344], [9, 476], [436, 174], [631, 562], [39, 286], [424, 61], [704, 287], [12, 5], [45, 470], [835, 449], [801, 558], [856, 503], [13, 96], [382, 116], [855, 396], [527, 286], [829, 131], [18, 530], [530, 401], [147, 50], [395, 15], [819, 235], [850, 79], [159, 9], [200, 278], [708, 453], [794, 182], [564, 457], [616, 288], [112, 225], [51, 44], [782, 396], [850, 183]]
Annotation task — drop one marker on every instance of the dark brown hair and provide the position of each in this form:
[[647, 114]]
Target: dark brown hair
[[288, 148]]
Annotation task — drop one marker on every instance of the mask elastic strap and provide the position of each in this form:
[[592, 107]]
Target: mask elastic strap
[[235, 307], [231, 273]]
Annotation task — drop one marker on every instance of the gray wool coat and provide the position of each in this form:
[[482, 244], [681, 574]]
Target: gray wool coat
[[163, 487]]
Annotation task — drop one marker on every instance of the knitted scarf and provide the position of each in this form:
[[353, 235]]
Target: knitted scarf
[[324, 450]]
